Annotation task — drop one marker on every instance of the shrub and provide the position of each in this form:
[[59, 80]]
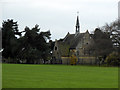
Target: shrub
[[113, 59]]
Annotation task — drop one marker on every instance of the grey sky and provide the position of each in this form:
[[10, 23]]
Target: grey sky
[[60, 15]]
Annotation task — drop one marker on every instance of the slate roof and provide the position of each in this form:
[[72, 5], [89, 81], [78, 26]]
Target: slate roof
[[76, 40], [73, 39], [68, 38]]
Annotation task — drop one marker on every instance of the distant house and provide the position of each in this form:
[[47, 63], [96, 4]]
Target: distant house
[[74, 48]]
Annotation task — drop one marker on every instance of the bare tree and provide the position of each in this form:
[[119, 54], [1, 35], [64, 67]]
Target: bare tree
[[113, 29]]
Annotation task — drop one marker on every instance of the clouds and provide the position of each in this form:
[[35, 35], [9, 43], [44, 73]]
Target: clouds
[[59, 15]]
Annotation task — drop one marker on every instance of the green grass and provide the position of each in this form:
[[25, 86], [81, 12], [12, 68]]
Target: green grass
[[58, 76]]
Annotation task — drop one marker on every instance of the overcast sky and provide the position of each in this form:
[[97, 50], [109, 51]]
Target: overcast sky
[[59, 16]]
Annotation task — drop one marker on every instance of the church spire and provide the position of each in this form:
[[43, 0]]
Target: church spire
[[77, 24]]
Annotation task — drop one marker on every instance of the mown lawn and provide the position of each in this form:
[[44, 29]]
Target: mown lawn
[[58, 76]]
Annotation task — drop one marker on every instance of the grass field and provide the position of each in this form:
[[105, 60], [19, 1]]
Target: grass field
[[58, 76]]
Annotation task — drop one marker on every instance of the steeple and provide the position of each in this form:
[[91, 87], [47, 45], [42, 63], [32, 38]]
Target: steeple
[[77, 24]]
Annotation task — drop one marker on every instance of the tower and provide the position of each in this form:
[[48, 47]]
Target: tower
[[119, 10], [77, 24], [119, 14]]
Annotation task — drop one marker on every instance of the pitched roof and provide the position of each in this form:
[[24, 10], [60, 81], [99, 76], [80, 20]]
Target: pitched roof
[[78, 38], [68, 38], [73, 39]]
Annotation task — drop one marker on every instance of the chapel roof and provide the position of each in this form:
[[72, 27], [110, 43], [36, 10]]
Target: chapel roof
[[73, 39]]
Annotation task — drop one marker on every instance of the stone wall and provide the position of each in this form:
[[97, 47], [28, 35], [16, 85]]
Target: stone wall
[[81, 60], [87, 60], [65, 60]]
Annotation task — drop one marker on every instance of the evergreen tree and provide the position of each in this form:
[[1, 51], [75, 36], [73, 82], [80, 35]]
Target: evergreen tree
[[34, 46], [103, 44], [9, 40]]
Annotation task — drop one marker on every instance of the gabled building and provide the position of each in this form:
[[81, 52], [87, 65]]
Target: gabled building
[[74, 48]]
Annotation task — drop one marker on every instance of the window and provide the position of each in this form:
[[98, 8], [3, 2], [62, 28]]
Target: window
[[55, 48], [77, 53]]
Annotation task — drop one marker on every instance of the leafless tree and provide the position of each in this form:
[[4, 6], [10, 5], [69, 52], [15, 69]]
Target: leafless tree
[[113, 29]]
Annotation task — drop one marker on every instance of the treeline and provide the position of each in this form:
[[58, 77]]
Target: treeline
[[107, 44], [32, 46], [29, 46]]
